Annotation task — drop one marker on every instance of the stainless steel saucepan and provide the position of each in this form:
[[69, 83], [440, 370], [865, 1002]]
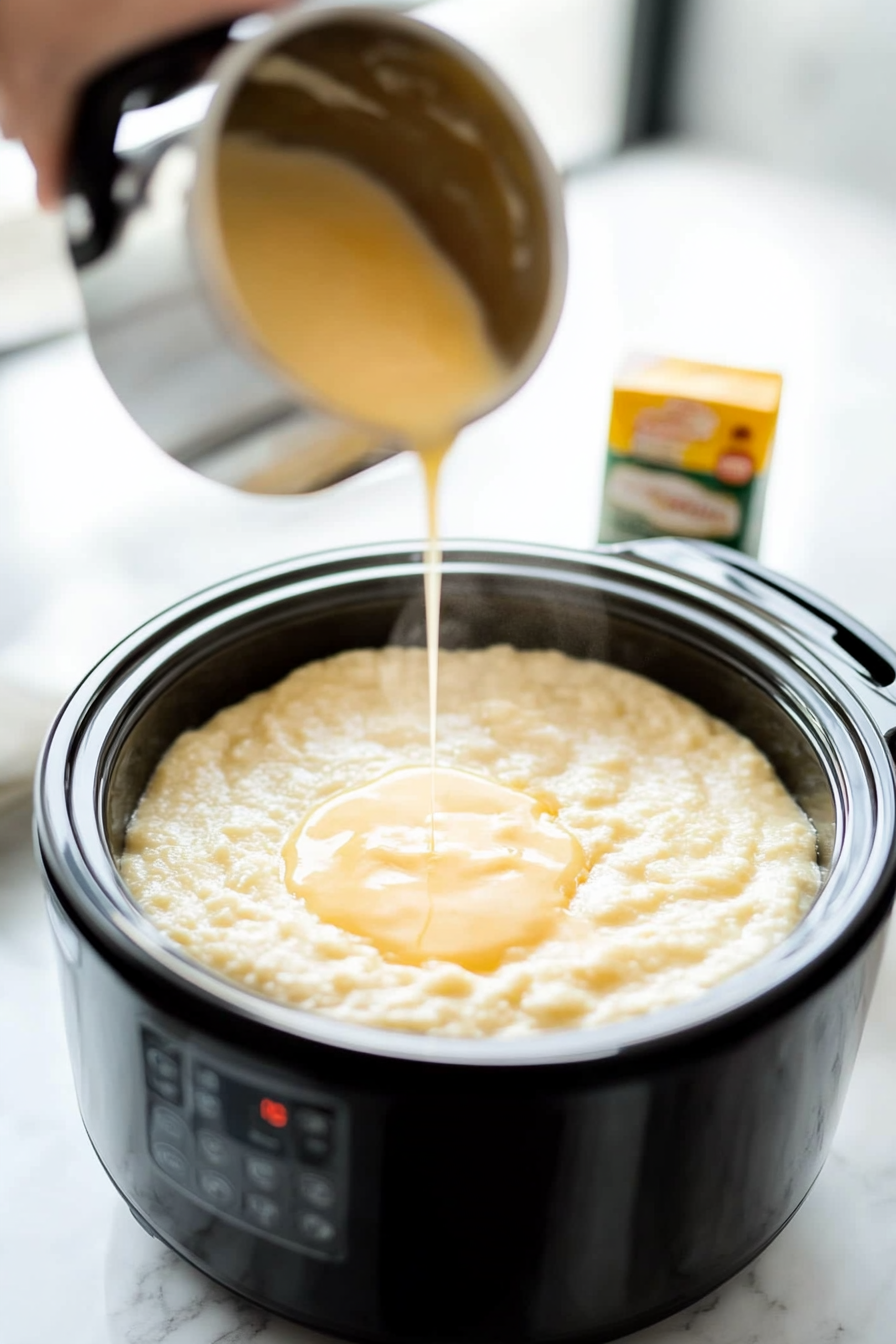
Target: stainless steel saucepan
[[384, 90]]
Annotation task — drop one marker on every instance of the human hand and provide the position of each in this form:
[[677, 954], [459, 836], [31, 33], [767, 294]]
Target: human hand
[[50, 48]]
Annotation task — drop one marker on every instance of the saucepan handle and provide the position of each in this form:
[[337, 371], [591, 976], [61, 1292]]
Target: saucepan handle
[[143, 80]]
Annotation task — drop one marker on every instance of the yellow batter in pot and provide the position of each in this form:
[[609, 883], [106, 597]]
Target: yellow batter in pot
[[670, 855]]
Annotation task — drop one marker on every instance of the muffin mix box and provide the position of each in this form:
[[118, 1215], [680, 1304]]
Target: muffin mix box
[[689, 452]]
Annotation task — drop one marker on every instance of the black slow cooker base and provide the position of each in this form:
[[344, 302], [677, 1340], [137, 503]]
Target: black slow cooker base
[[628, 1325], [560, 1187]]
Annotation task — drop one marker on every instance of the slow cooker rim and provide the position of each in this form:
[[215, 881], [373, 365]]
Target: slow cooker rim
[[681, 1024]]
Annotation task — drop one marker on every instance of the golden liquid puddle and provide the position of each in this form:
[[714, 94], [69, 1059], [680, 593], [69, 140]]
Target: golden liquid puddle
[[501, 872]]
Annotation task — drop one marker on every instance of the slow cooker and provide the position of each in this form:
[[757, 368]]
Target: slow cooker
[[564, 1186]]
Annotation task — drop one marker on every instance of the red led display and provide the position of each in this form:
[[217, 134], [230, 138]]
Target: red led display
[[273, 1113]]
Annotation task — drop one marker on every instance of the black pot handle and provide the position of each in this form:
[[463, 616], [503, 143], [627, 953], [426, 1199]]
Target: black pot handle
[[869, 663], [143, 80]]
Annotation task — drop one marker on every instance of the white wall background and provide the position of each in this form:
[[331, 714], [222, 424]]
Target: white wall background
[[567, 61], [806, 85]]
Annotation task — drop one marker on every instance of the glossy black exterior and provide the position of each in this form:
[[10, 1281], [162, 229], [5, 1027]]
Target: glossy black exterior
[[572, 1186]]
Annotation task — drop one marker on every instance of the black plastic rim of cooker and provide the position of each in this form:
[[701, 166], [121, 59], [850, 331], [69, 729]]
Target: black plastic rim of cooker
[[829, 676]]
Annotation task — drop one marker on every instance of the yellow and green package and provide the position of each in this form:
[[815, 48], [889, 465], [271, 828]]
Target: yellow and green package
[[690, 447]]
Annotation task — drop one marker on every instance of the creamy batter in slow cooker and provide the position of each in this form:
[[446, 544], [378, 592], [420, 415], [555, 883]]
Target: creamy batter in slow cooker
[[690, 859]]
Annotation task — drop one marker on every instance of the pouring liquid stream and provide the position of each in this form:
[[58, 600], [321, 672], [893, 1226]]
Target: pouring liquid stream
[[343, 287], [431, 460]]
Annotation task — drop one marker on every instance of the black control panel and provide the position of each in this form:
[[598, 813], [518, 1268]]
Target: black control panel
[[275, 1163]]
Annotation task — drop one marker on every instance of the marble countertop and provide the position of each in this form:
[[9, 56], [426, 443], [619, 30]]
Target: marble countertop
[[672, 252]]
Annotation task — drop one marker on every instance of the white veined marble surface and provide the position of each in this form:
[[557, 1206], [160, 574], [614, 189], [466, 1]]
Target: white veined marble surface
[[672, 252]]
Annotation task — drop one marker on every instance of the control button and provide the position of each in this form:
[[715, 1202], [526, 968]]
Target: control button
[[313, 1149], [312, 1120], [315, 1133], [208, 1105], [206, 1079], [316, 1229], [317, 1190], [273, 1113], [167, 1124], [267, 1141], [216, 1188], [262, 1172], [162, 1065], [213, 1148], [172, 1161], [263, 1210], [163, 1073], [167, 1089]]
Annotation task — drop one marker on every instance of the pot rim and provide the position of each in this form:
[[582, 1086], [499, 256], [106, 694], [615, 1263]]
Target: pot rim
[[825, 702]]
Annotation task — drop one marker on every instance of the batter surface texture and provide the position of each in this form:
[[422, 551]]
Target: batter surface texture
[[697, 860]]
